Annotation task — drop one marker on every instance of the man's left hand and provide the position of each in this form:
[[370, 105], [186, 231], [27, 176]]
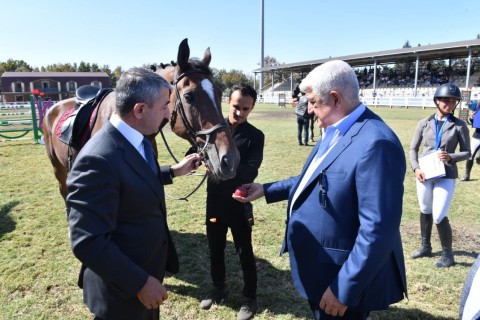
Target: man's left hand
[[331, 305], [189, 163]]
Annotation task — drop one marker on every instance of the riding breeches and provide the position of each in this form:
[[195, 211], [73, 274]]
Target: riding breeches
[[435, 196]]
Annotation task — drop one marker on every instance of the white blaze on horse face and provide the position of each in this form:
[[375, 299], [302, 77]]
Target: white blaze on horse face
[[208, 87]]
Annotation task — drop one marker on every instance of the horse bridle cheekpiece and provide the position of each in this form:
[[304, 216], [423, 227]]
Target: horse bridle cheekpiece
[[178, 107]]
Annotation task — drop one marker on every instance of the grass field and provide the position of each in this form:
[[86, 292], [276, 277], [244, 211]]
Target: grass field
[[38, 272]]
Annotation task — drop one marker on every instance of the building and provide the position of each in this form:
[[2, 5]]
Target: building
[[17, 86]]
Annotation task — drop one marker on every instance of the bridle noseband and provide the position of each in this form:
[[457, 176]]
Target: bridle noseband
[[178, 107]]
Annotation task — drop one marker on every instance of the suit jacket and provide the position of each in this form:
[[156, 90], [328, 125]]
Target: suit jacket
[[343, 230], [455, 133], [117, 219], [469, 307]]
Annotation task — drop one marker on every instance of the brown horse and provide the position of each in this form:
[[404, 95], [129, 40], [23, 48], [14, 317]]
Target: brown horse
[[195, 106]]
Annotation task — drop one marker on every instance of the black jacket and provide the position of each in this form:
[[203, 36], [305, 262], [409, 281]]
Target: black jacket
[[249, 142]]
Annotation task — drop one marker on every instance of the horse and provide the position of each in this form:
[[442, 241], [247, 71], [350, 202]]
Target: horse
[[196, 115]]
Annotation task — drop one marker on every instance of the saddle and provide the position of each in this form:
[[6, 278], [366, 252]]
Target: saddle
[[76, 124]]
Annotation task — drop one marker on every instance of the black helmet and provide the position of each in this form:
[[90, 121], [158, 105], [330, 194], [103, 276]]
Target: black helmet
[[448, 90]]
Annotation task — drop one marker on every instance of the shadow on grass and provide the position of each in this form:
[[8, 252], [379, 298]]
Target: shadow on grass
[[6, 223], [456, 253], [405, 314], [276, 292]]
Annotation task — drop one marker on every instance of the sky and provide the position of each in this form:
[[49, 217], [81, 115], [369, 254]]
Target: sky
[[130, 33]]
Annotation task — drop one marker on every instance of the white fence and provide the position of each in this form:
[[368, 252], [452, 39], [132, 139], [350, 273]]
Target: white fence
[[388, 101], [406, 102]]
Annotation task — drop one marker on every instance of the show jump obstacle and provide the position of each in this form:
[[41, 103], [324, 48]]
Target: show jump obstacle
[[19, 119]]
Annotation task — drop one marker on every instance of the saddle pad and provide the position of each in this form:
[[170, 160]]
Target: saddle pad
[[61, 121]]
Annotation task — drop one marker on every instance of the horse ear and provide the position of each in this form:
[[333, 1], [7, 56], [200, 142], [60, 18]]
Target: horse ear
[[207, 57], [183, 54]]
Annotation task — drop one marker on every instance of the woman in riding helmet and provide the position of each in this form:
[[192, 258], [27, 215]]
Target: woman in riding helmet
[[441, 132]]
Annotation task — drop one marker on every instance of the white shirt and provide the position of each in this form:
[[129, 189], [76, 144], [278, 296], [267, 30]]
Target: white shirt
[[132, 135], [335, 131]]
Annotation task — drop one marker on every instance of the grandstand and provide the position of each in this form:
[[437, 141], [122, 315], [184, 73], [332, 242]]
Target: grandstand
[[411, 73]]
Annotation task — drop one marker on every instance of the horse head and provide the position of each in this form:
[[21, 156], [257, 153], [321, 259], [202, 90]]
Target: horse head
[[196, 114]]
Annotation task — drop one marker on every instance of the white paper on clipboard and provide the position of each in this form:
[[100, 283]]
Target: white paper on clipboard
[[432, 166]]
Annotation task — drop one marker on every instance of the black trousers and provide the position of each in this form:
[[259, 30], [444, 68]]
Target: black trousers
[[319, 314], [242, 237], [302, 125]]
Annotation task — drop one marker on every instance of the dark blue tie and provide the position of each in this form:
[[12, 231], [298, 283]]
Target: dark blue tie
[[148, 149]]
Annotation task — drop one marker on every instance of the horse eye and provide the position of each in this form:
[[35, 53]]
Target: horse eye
[[188, 97]]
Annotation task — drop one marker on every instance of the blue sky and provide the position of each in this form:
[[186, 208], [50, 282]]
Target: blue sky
[[131, 33]]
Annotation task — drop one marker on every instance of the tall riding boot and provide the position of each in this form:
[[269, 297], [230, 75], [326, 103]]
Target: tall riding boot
[[425, 250], [445, 234], [468, 168]]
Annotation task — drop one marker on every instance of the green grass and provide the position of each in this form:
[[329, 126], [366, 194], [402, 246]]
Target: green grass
[[38, 272]]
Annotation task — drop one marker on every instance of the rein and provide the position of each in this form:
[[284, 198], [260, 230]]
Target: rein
[[193, 134]]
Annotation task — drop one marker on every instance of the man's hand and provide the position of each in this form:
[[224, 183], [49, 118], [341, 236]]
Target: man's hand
[[331, 305], [153, 293], [189, 163], [255, 191]]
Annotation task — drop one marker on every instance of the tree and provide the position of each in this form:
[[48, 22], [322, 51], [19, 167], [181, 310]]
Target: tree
[[94, 68], [278, 76], [16, 66], [232, 77], [117, 73], [60, 67], [83, 67]]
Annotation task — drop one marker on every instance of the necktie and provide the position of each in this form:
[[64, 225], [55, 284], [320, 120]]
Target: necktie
[[148, 149], [324, 145]]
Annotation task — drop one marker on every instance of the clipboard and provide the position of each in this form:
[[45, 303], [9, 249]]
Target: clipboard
[[432, 166]]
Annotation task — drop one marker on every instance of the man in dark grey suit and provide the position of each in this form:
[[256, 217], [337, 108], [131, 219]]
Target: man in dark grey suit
[[116, 205]]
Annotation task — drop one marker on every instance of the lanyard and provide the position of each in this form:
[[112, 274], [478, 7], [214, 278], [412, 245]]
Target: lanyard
[[439, 133]]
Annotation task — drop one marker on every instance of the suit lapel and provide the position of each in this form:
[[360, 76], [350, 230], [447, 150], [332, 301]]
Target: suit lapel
[[341, 145], [133, 158]]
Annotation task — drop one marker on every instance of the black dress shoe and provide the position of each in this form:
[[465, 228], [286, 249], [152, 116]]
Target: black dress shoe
[[215, 295]]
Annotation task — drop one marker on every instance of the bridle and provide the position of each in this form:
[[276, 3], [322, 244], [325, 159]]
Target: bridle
[[178, 108]]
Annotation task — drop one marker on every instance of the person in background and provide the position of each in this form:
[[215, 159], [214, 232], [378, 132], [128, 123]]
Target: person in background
[[345, 207], [474, 146], [116, 205], [312, 121], [223, 212], [441, 132], [303, 118]]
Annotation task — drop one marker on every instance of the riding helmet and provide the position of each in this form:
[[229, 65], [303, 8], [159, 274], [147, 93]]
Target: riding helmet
[[448, 90]]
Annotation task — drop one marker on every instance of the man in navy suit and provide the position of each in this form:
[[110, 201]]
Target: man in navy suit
[[345, 207], [116, 205]]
